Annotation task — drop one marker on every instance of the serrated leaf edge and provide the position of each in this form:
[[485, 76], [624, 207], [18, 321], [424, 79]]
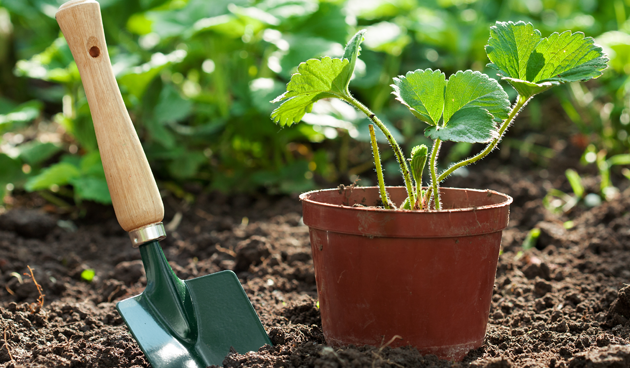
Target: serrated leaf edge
[[594, 47], [508, 23], [548, 82], [415, 112], [291, 93], [494, 133], [483, 76]]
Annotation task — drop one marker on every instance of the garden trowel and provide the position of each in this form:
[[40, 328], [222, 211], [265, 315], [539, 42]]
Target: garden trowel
[[191, 323]]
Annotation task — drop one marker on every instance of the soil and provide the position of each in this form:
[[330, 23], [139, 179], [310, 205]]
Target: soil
[[563, 303]]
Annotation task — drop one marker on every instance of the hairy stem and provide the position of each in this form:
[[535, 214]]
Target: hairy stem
[[520, 103], [434, 179], [379, 169], [419, 203], [397, 151], [518, 106]]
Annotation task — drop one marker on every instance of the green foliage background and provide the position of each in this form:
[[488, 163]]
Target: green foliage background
[[198, 77]]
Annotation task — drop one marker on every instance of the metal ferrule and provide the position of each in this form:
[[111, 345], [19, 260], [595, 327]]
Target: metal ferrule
[[147, 233]]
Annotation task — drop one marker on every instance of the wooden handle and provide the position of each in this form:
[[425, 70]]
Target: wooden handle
[[135, 195]]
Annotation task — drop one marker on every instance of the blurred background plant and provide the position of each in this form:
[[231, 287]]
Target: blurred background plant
[[197, 77]]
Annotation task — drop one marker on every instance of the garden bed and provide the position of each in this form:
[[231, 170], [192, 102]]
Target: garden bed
[[565, 303]]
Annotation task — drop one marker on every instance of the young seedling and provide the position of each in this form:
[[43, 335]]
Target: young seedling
[[418, 162], [468, 107]]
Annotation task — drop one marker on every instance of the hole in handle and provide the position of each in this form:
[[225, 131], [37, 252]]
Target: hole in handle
[[95, 51]]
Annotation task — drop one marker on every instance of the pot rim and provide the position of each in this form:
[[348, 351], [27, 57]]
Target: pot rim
[[304, 197]]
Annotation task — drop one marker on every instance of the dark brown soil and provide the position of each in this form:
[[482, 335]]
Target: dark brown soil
[[565, 303]]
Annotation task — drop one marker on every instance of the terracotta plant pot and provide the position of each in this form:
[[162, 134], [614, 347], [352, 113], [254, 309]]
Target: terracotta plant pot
[[423, 279]]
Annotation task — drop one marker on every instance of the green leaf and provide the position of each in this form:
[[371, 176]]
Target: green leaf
[[422, 91], [286, 9], [351, 52], [81, 127], [253, 17], [378, 9], [315, 79], [472, 125], [10, 169], [329, 22], [387, 37], [137, 79], [176, 22], [34, 153], [470, 89], [91, 188], [23, 113], [532, 64], [91, 184], [469, 103], [510, 47], [139, 24], [405, 205], [58, 174], [567, 57], [54, 64], [74, 160], [418, 161], [92, 165], [617, 47], [6, 105], [171, 106], [161, 134], [233, 26]]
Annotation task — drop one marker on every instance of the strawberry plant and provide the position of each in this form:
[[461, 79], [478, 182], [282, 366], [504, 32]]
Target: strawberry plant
[[467, 107]]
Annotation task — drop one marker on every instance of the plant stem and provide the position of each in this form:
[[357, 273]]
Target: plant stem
[[397, 151], [418, 204], [379, 169], [520, 103], [434, 179], [518, 106]]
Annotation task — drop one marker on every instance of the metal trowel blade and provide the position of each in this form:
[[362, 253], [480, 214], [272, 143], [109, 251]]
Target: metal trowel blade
[[225, 319]]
